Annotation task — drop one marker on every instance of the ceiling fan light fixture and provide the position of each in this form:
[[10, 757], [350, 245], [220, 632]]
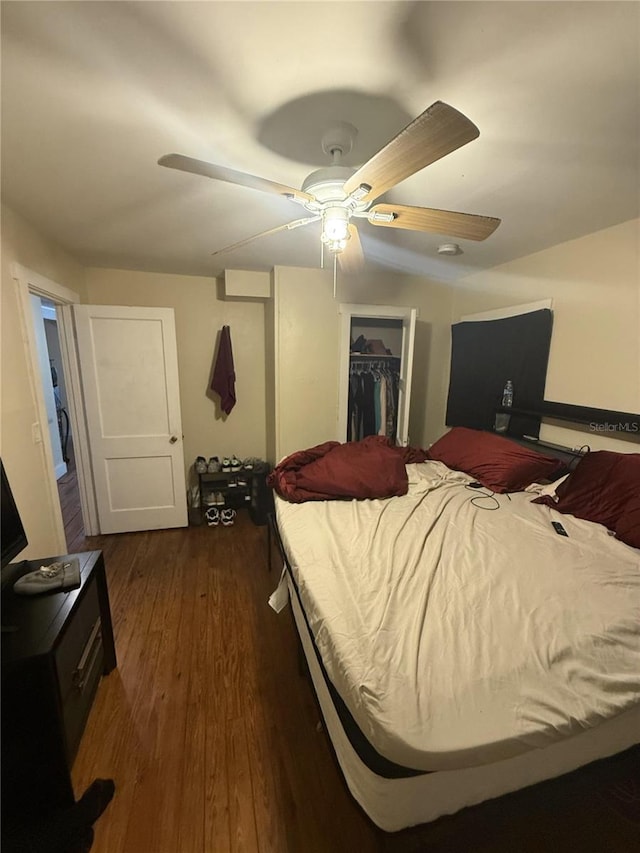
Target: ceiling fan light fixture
[[335, 228]]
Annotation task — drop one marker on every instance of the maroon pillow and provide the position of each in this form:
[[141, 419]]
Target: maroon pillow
[[628, 526], [601, 488], [494, 461]]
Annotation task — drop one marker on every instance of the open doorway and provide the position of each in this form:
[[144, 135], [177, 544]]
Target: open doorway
[[54, 386]]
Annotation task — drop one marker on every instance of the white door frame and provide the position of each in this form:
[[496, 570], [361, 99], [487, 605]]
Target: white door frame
[[27, 282]]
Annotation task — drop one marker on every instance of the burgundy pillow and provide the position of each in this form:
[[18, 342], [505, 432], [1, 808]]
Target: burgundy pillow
[[601, 488], [628, 526], [494, 461]]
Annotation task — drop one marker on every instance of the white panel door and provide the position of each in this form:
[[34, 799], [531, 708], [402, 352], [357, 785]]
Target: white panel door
[[129, 368]]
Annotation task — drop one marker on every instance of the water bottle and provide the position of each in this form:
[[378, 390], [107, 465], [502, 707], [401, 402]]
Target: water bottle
[[501, 422], [507, 395]]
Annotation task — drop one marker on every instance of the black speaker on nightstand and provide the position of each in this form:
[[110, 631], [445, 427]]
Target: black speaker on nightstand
[[261, 495]]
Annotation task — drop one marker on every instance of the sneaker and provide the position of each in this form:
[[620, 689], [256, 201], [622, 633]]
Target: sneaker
[[213, 465], [220, 499], [236, 464], [252, 462], [200, 465], [213, 516], [226, 464], [228, 516]]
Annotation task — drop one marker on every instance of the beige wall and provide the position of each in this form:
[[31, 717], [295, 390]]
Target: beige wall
[[25, 461], [200, 313], [594, 283], [306, 359]]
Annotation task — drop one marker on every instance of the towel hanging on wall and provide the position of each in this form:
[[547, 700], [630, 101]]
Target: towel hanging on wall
[[224, 377]]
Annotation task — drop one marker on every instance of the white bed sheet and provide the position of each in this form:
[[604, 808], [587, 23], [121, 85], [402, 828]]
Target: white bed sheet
[[460, 636]]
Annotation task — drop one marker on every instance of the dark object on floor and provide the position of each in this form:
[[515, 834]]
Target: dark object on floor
[[66, 831]]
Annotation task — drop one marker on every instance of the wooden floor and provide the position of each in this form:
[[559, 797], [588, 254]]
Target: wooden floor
[[70, 503], [212, 737]]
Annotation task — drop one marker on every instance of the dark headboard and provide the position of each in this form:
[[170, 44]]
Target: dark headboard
[[601, 421], [566, 455]]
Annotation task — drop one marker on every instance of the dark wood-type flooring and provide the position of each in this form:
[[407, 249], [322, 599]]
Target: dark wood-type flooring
[[212, 736], [70, 503]]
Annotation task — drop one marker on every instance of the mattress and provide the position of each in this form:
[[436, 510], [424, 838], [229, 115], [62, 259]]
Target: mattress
[[461, 631], [397, 803]]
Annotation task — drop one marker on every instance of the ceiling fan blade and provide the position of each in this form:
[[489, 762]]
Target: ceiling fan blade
[[439, 130], [351, 258], [222, 173], [447, 222], [289, 226]]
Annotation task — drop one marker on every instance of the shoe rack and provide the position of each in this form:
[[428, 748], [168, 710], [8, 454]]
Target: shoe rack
[[244, 488]]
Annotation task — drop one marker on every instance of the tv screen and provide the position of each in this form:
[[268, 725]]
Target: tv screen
[[14, 538]]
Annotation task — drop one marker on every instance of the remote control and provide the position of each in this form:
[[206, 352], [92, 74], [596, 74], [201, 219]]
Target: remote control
[[559, 529]]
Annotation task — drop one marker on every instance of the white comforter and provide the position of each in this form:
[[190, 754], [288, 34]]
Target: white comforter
[[457, 635]]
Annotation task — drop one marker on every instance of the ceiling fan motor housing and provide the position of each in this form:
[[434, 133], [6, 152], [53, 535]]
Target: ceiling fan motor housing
[[327, 184]]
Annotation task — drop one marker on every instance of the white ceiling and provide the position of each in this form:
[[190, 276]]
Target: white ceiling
[[93, 93]]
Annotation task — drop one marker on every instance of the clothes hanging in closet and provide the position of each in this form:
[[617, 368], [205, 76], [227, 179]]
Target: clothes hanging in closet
[[373, 399]]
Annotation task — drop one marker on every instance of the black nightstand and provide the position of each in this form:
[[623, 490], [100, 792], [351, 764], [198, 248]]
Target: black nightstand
[[55, 647]]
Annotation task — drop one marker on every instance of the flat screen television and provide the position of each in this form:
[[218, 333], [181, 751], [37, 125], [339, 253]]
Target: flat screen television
[[14, 539]]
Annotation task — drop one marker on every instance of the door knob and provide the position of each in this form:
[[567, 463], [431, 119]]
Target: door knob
[[173, 439]]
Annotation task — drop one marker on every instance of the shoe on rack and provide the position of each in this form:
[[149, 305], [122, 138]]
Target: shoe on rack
[[200, 465], [220, 499], [227, 517], [213, 465], [252, 462], [226, 464], [213, 516], [236, 464]]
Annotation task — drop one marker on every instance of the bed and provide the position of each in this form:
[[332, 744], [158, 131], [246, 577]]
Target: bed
[[460, 648]]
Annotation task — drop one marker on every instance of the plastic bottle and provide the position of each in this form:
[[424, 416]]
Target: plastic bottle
[[507, 395]]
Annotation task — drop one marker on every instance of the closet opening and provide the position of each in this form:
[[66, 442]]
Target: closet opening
[[375, 368], [375, 355]]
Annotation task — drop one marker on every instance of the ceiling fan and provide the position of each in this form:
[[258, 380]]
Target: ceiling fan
[[337, 194]]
